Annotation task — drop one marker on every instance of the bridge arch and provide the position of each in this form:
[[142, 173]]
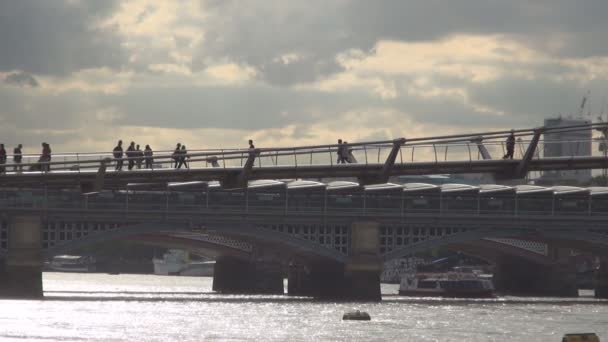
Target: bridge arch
[[240, 232], [584, 236]]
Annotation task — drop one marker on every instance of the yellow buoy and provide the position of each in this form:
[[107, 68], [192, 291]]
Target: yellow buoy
[[582, 337]]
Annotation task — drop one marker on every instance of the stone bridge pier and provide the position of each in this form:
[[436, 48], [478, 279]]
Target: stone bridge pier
[[21, 274], [240, 276], [515, 275], [600, 279], [358, 279]]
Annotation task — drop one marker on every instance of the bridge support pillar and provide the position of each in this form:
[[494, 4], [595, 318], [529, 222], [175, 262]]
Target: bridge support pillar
[[520, 277], [319, 279], [238, 276], [364, 267], [358, 279], [600, 279], [21, 276]]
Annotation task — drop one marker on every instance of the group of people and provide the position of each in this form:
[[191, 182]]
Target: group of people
[[135, 156], [179, 156], [42, 165], [343, 152]]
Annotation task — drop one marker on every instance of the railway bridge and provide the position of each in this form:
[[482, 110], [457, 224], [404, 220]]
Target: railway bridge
[[338, 228], [251, 208]]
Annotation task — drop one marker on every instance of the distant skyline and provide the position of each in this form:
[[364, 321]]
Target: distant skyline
[[82, 74]]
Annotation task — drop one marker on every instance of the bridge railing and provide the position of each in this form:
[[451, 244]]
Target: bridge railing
[[313, 204], [461, 147]]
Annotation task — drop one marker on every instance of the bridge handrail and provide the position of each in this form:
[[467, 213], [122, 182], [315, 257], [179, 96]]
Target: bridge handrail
[[437, 139], [241, 155], [204, 155]]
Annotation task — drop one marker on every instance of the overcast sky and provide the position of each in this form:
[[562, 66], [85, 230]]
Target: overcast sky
[[82, 74]]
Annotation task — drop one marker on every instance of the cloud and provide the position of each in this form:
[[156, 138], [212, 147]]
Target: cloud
[[57, 37], [213, 73], [21, 79]]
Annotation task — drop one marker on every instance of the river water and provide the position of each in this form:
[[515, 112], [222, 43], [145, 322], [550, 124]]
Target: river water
[[102, 307]]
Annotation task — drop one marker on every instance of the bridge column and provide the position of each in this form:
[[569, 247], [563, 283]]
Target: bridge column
[[319, 279], [521, 277], [363, 270], [358, 279], [600, 279], [21, 276], [239, 276]]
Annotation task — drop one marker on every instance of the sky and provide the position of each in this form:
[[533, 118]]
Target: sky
[[214, 73]]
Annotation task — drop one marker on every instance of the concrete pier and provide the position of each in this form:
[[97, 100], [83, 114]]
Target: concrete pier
[[600, 279], [21, 276], [521, 277], [238, 276], [318, 279], [363, 270], [357, 280]]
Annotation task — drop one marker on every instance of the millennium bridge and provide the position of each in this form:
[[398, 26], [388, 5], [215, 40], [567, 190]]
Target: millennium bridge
[[332, 235]]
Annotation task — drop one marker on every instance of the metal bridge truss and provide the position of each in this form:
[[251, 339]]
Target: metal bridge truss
[[400, 237]]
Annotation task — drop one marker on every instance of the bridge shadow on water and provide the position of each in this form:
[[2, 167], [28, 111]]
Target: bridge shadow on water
[[212, 297]]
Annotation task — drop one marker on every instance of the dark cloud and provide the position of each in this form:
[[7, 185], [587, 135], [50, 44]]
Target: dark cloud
[[259, 32], [21, 79], [529, 101], [57, 37], [564, 27]]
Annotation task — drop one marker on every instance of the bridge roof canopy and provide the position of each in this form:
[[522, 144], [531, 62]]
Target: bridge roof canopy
[[305, 185], [495, 188], [386, 187], [458, 188], [526, 189], [342, 186], [569, 190], [265, 184], [599, 190], [188, 186], [420, 187], [147, 186]]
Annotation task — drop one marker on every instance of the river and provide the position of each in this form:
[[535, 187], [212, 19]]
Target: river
[[103, 307]]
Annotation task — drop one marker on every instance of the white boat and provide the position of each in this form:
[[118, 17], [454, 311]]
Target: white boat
[[177, 262], [72, 263], [462, 282]]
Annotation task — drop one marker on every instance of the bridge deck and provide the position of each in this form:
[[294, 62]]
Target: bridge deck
[[120, 179]]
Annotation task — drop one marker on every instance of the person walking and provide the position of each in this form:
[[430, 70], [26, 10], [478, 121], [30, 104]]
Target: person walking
[[339, 152], [45, 157], [345, 153], [2, 159], [148, 156], [139, 156], [176, 154], [251, 148], [131, 155], [17, 158], [117, 153], [510, 146], [183, 154]]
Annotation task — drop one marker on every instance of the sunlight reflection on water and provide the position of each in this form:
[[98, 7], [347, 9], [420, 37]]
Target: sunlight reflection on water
[[101, 307]]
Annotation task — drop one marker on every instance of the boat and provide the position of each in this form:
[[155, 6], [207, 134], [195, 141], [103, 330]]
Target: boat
[[72, 263], [461, 282], [177, 262]]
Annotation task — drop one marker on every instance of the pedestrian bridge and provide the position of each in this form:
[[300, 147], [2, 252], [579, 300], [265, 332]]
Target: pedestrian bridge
[[369, 162]]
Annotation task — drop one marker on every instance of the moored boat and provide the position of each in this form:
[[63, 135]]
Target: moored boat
[[456, 284], [177, 262], [72, 263]]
